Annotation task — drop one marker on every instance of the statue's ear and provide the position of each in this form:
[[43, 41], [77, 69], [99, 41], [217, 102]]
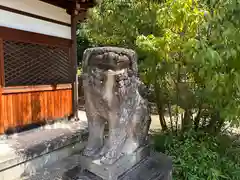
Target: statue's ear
[[130, 73], [133, 61], [86, 55]]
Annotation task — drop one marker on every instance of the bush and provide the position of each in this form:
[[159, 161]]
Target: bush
[[189, 53], [199, 156]]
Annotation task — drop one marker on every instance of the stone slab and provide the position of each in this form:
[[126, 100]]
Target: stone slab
[[38, 168], [157, 166], [24, 153], [18, 148], [57, 170], [115, 170]]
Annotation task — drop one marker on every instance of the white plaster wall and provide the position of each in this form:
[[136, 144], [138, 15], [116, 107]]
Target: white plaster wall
[[21, 22], [39, 8]]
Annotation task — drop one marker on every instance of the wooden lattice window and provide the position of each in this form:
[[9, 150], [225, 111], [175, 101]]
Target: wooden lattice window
[[35, 64]]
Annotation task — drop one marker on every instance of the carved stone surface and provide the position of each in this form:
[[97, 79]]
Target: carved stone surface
[[114, 95], [118, 168], [157, 166], [111, 90]]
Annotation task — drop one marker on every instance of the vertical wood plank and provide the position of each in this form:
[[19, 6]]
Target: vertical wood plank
[[4, 114], [8, 122], [25, 108], [16, 110], [71, 109], [28, 105], [45, 108], [50, 105], [11, 114], [60, 103], [64, 93], [65, 102], [54, 103], [20, 109], [57, 104], [42, 105], [36, 106]]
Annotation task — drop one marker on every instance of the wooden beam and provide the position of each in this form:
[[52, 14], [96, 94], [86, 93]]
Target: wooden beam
[[69, 5], [59, 3], [39, 88], [30, 37]]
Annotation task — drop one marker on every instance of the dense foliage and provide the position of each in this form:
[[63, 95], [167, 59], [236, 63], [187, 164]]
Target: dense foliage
[[189, 53], [200, 157]]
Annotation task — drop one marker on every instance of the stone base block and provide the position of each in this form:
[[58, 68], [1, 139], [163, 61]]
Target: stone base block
[[113, 171], [156, 166]]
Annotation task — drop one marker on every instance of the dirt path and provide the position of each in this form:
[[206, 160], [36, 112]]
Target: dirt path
[[155, 125]]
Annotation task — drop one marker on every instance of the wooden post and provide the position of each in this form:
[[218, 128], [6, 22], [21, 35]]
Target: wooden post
[[78, 14], [74, 65]]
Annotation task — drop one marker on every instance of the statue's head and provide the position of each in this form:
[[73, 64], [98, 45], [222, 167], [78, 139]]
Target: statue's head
[[111, 68]]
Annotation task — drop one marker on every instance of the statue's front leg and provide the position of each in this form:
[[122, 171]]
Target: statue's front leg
[[116, 139], [115, 145], [95, 138], [96, 131]]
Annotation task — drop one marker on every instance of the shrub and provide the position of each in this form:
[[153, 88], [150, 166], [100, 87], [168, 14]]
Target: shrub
[[199, 156], [189, 53]]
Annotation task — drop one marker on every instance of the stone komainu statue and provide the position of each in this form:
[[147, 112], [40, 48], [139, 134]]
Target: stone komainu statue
[[111, 90]]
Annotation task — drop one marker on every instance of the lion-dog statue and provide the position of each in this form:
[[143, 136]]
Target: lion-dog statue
[[111, 91]]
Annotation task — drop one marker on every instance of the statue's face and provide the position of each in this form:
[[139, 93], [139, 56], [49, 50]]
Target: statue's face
[[110, 74], [99, 77]]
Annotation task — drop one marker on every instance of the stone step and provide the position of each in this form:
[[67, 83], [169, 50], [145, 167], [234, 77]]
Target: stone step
[[25, 153], [59, 170], [157, 166]]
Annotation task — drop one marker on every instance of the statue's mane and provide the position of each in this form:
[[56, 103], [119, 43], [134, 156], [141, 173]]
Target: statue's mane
[[92, 57]]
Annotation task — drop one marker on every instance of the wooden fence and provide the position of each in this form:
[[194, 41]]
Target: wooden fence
[[21, 109]]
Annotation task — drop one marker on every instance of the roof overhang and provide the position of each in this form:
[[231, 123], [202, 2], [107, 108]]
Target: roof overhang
[[72, 6]]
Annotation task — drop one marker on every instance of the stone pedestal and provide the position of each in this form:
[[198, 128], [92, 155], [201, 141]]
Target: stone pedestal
[[142, 165], [112, 94]]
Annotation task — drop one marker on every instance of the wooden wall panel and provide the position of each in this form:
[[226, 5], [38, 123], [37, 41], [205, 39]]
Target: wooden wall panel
[[25, 105], [21, 109]]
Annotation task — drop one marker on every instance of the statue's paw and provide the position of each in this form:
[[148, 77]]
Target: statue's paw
[[130, 146], [110, 157], [91, 152], [104, 150]]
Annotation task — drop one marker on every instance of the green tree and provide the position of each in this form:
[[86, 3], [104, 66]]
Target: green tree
[[189, 53], [166, 67], [119, 23]]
